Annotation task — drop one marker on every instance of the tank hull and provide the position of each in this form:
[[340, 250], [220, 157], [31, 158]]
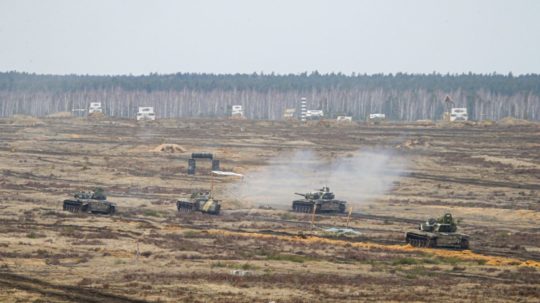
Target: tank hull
[[89, 206], [419, 238], [208, 207], [321, 206]]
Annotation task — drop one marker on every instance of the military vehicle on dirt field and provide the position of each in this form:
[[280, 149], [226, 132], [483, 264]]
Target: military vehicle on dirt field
[[323, 201], [199, 201], [438, 233], [94, 202]]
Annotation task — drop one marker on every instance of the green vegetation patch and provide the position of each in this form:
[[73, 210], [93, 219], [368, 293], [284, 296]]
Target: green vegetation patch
[[192, 234], [151, 213], [243, 266], [290, 258], [35, 235]]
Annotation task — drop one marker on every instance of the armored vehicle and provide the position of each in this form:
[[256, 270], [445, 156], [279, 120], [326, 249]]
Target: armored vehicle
[[322, 200], [438, 233], [90, 202], [199, 201]]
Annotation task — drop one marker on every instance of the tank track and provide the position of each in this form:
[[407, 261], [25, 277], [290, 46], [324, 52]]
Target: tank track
[[185, 207], [72, 206], [302, 208], [420, 241], [111, 211]]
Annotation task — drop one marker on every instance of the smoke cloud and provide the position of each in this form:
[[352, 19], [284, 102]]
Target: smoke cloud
[[358, 178]]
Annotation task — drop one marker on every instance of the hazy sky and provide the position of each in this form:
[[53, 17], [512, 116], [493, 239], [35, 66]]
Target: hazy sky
[[282, 36]]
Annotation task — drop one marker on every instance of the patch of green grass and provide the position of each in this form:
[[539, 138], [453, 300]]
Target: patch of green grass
[[218, 264], [192, 234], [247, 266], [290, 258], [450, 260], [151, 213], [244, 266], [287, 216], [481, 262], [34, 235], [410, 276], [432, 260], [406, 261]]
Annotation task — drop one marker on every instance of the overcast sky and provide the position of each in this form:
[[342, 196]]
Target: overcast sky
[[281, 36]]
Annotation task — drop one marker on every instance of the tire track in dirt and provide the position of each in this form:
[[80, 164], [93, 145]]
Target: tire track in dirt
[[471, 181], [62, 292]]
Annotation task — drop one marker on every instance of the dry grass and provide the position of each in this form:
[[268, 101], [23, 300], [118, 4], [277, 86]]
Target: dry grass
[[149, 252]]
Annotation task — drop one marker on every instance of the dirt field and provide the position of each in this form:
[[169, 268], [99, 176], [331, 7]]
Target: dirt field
[[487, 176]]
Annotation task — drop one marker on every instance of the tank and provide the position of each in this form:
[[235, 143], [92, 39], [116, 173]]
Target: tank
[[94, 202], [199, 201], [322, 200], [440, 232]]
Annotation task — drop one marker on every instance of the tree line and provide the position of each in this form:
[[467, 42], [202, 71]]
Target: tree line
[[265, 96]]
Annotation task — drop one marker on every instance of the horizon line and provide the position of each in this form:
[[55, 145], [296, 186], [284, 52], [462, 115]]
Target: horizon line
[[262, 73]]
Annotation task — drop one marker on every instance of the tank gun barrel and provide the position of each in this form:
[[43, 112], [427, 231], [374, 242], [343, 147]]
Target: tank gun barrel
[[303, 195]]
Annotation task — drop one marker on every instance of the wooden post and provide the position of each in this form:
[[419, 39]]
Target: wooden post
[[349, 217], [211, 183], [138, 252], [313, 215]]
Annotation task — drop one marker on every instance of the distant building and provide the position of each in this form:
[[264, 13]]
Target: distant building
[[288, 114], [344, 119], [146, 113], [312, 114], [237, 111], [95, 107], [377, 117], [458, 114]]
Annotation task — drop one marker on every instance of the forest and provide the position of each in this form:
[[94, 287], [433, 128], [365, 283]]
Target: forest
[[401, 96]]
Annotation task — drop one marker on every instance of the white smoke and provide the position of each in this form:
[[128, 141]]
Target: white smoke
[[358, 178]]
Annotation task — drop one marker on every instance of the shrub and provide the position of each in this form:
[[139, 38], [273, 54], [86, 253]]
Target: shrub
[[405, 261], [192, 234], [34, 235], [290, 258], [151, 213]]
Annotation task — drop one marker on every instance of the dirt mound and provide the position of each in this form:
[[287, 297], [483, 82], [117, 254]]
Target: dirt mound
[[424, 122], [299, 142], [25, 120], [413, 143], [96, 115], [511, 121], [169, 148], [486, 123], [60, 115]]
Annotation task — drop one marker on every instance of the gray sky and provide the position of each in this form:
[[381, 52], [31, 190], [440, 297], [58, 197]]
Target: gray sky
[[139, 37]]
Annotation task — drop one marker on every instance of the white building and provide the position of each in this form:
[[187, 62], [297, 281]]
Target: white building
[[95, 107], [237, 111], [314, 114], [458, 114], [288, 114], [146, 113], [377, 116], [344, 119]]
